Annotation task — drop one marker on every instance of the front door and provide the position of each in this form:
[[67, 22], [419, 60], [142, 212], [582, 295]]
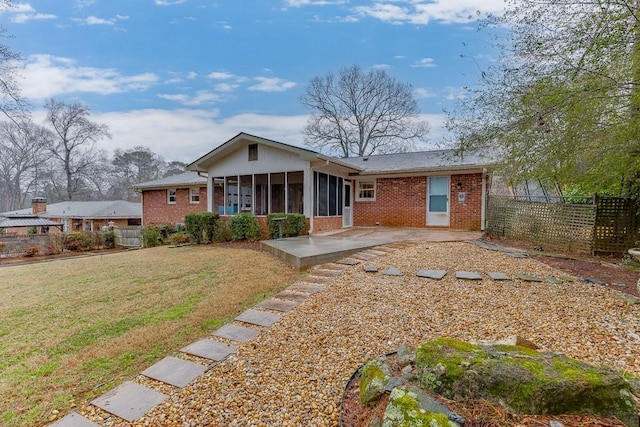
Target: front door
[[438, 201], [347, 210]]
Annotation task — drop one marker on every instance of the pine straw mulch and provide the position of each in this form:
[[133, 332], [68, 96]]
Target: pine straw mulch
[[477, 413]]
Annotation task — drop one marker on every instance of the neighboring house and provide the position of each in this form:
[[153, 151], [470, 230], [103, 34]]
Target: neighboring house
[[83, 216], [20, 224], [251, 174], [168, 200]]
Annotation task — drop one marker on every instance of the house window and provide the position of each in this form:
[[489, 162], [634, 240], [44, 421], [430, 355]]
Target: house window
[[366, 191], [194, 195], [328, 198], [171, 197], [253, 152]]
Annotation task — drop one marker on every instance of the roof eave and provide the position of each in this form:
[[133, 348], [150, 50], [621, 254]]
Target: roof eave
[[456, 168]]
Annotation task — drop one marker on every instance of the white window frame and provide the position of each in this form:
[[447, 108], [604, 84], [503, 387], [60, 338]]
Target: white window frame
[[359, 189], [194, 192], [172, 193]]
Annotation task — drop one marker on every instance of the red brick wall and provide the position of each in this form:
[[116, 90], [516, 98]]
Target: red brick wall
[[402, 202], [156, 210], [326, 223], [466, 215]]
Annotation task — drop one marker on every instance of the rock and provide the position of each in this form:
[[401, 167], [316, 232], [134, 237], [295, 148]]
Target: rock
[[511, 341], [404, 409], [374, 376], [523, 380], [406, 355], [393, 383]]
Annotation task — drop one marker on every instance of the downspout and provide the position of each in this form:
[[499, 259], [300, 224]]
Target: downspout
[[312, 199], [483, 210]]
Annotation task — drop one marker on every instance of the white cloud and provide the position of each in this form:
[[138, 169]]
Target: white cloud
[[421, 12], [299, 3], [225, 87], [47, 76], [94, 20], [168, 2], [185, 135], [201, 97], [381, 66], [21, 13], [271, 84], [455, 93], [423, 93], [424, 63]]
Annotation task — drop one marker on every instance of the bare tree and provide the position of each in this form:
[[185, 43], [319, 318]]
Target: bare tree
[[22, 151], [11, 103], [134, 166], [361, 113], [75, 140]]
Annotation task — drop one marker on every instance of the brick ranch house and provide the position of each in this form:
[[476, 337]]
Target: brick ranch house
[[438, 189], [78, 216]]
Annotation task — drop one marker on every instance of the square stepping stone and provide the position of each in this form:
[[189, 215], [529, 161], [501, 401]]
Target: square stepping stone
[[73, 420], [174, 371], [236, 333], [370, 268], [309, 288], [129, 401], [311, 278], [257, 317], [277, 304], [498, 275], [432, 274], [468, 275], [349, 261], [364, 256], [326, 272], [528, 277], [291, 295], [392, 271], [209, 349]]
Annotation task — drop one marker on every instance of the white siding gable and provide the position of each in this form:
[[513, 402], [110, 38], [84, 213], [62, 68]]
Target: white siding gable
[[269, 160]]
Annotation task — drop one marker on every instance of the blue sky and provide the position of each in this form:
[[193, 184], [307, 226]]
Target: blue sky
[[183, 76]]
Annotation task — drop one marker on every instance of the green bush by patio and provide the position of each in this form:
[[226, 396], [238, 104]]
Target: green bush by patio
[[292, 225]]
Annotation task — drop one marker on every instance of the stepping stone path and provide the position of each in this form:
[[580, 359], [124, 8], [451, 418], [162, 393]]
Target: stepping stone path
[[393, 271], [432, 274], [290, 295], [370, 268], [349, 261], [365, 256], [308, 288], [260, 318], [174, 371], [236, 333], [129, 401], [209, 349], [497, 275], [468, 275], [277, 304], [74, 420], [528, 277]]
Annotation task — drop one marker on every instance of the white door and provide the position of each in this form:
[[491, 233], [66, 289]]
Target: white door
[[347, 210], [438, 201]]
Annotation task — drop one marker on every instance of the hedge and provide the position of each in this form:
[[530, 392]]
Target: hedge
[[293, 224], [201, 225]]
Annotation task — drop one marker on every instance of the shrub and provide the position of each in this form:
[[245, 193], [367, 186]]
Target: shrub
[[31, 251], [292, 225], [151, 237], [74, 242], [32, 230], [221, 232], [109, 239], [245, 227], [179, 238], [201, 225]]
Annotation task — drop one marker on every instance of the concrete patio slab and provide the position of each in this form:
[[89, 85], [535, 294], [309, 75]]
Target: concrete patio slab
[[236, 333], [73, 420], [291, 295], [498, 275], [529, 277], [277, 305], [393, 271], [257, 317], [129, 401], [174, 371], [468, 275], [309, 288], [432, 274]]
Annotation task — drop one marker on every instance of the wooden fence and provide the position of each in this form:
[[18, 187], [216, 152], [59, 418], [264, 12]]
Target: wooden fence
[[608, 224], [128, 237]]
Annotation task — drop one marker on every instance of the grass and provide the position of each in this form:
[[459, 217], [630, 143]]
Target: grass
[[72, 329]]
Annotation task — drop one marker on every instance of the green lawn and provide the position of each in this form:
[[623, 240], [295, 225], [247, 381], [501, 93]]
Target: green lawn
[[72, 329]]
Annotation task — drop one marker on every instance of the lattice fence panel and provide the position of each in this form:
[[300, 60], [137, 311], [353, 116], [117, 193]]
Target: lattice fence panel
[[616, 227], [553, 225]]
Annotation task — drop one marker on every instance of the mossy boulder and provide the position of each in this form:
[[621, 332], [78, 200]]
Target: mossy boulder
[[524, 380], [404, 409], [374, 376]]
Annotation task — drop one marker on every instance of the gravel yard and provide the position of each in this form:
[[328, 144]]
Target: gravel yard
[[295, 372]]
